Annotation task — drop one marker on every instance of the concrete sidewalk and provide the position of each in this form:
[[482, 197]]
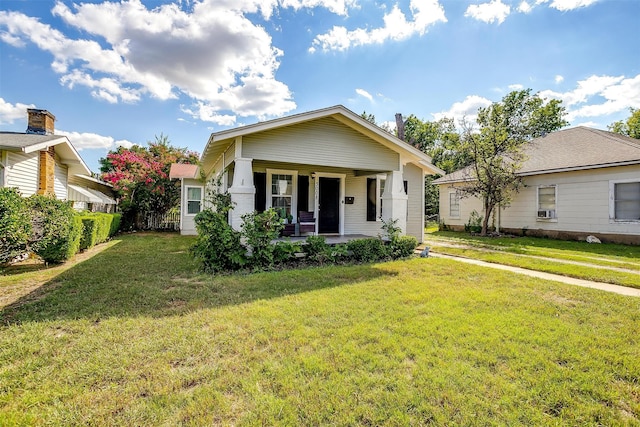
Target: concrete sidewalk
[[622, 290]]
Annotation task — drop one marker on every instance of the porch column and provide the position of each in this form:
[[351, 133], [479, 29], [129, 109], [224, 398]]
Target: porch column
[[242, 191], [394, 200]]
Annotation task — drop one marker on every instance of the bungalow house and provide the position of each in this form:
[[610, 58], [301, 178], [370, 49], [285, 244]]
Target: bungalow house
[[39, 162], [577, 182], [328, 169]]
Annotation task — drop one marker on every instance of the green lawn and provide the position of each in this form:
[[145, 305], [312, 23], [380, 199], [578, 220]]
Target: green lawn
[[599, 262], [135, 336]]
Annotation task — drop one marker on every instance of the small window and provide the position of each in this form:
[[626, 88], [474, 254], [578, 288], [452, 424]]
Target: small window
[[454, 205], [627, 201], [194, 200], [547, 202]]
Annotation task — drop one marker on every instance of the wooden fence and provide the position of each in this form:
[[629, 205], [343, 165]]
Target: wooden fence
[[169, 221]]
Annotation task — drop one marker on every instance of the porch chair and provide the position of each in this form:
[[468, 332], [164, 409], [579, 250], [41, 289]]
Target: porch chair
[[307, 222]]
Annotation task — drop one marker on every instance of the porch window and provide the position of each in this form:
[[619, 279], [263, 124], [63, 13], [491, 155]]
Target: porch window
[[194, 200], [282, 191], [547, 195], [375, 189], [626, 201], [454, 205]]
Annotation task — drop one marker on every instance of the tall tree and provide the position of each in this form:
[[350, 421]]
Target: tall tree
[[630, 126], [140, 176], [495, 147]]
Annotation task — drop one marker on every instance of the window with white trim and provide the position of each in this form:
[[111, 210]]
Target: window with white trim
[[547, 195], [283, 187], [626, 201], [454, 205], [194, 200]]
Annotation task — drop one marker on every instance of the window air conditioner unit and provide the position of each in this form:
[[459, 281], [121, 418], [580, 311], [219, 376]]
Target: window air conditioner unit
[[546, 213]]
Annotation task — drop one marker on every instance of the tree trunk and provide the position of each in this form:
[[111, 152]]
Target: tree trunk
[[485, 221]]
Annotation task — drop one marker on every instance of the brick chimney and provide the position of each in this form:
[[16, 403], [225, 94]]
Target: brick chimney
[[40, 122]]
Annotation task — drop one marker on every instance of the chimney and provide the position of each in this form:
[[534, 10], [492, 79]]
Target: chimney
[[40, 122], [400, 126]]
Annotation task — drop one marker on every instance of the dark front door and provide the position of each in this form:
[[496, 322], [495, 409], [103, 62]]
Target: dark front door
[[329, 201]]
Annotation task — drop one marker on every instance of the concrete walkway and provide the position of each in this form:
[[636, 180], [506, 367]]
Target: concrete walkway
[[622, 290]]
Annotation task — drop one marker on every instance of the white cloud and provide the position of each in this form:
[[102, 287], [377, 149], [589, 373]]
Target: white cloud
[[516, 87], [495, 11], [559, 79], [464, 110], [364, 94], [425, 13], [599, 96], [524, 7], [566, 5], [218, 57], [9, 113], [83, 141]]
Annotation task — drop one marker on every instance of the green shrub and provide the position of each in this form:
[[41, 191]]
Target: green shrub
[[56, 229], [474, 224], [285, 251], [89, 231], [218, 246], [403, 246], [368, 250], [317, 249], [15, 225], [259, 230], [114, 227]]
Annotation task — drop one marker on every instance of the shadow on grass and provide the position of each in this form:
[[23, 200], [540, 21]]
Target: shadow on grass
[[154, 275]]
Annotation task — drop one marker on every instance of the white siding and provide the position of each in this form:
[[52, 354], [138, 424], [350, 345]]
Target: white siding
[[415, 204], [467, 205], [60, 181], [187, 222], [23, 172], [324, 142], [582, 203]]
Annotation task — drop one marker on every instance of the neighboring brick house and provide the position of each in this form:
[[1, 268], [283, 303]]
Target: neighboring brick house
[[577, 182], [40, 162]]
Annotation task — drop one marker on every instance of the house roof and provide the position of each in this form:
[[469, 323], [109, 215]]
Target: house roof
[[572, 149], [183, 170], [220, 141], [29, 143]]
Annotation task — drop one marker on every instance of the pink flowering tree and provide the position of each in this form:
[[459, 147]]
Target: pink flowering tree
[[140, 176]]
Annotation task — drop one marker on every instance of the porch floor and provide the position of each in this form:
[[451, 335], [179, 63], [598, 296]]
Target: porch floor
[[331, 239]]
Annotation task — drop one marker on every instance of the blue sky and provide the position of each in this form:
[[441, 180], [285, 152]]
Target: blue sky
[[117, 73]]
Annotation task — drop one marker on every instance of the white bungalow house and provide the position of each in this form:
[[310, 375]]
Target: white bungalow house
[[342, 172], [40, 162], [577, 182]]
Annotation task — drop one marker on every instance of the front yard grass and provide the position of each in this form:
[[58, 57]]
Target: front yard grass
[[135, 336]]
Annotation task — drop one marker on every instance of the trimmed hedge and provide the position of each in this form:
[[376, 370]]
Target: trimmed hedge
[[15, 224], [98, 227], [56, 229]]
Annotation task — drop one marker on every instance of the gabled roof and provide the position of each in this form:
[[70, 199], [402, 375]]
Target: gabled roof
[[572, 149], [29, 143], [220, 141]]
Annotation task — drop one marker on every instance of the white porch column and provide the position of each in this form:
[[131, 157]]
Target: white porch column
[[242, 191], [394, 200]]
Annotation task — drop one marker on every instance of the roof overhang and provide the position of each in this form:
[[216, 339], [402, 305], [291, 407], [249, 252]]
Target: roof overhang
[[219, 142]]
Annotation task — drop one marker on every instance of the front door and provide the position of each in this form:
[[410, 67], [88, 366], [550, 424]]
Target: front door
[[329, 205]]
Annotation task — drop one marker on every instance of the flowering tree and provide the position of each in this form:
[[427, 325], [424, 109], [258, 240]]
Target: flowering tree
[[140, 176]]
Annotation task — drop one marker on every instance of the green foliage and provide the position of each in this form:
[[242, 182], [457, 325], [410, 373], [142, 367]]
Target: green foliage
[[317, 248], [15, 224], [140, 177], [98, 227], [474, 224], [391, 229], [403, 247], [630, 126], [56, 229], [368, 250], [218, 246], [284, 251], [89, 232], [259, 230], [496, 147]]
